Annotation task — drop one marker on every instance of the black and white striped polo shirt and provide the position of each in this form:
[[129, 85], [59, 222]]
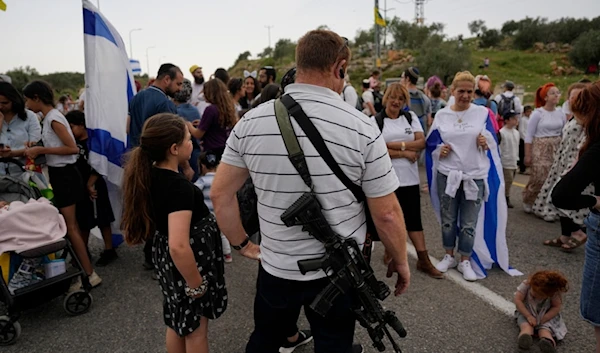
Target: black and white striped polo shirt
[[355, 143]]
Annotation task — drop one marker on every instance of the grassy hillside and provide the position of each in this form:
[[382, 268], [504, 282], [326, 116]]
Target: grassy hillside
[[528, 69], [524, 68]]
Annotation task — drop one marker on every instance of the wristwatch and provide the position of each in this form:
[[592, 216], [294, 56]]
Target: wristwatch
[[241, 246], [403, 147], [197, 292]]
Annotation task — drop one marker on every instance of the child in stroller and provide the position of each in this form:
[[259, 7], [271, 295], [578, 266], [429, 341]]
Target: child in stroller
[[31, 292]]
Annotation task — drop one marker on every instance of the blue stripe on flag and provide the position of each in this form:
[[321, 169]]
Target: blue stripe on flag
[[475, 259], [94, 25], [130, 93], [433, 140], [102, 142], [491, 206], [490, 225]]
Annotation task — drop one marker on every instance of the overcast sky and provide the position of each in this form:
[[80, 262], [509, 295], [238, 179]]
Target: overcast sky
[[48, 34]]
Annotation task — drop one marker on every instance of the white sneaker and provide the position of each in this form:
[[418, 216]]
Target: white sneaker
[[447, 262], [467, 271], [527, 208], [228, 258]]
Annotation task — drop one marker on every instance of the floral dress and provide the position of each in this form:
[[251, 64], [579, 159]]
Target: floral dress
[[182, 313], [565, 157]]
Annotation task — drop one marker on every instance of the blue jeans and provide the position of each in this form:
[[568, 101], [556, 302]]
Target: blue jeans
[[590, 285], [453, 209]]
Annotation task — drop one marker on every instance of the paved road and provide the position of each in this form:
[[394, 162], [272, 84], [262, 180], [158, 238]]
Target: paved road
[[440, 315]]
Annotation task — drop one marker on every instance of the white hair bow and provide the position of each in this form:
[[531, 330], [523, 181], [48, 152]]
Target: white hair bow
[[247, 73]]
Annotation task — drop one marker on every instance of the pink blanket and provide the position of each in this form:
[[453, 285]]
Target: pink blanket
[[25, 226]]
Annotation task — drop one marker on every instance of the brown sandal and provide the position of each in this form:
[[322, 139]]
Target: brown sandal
[[572, 244], [555, 243]]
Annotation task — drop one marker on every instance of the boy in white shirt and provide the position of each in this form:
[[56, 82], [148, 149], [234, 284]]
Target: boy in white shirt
[[509, 151]]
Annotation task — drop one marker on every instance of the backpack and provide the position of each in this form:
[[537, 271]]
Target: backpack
[[378, 101], [248, 204], [506, 105], [379, 119], [498, 118]]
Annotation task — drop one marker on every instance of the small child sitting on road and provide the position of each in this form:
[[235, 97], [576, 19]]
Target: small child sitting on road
[[539, 302]]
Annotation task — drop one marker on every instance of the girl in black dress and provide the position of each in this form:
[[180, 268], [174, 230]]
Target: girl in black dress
[[187, 251]]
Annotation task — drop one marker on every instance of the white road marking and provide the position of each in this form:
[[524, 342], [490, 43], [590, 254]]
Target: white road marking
[[496, 301]]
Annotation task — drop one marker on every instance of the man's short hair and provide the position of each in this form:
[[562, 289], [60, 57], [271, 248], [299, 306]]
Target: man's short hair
[[222, 75], [375, 73], [527, 108], [366, 83], [319, 50], [168, 70], [270, 71]]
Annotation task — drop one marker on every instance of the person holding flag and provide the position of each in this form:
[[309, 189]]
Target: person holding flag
[[464, 173]]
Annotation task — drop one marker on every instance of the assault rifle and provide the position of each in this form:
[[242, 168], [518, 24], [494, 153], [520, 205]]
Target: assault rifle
[[348, 272]]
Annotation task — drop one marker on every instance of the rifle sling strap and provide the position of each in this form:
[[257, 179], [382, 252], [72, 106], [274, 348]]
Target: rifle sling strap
[[295, 153], [316, 139]]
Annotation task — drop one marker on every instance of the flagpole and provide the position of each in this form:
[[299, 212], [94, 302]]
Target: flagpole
[[377, 49]]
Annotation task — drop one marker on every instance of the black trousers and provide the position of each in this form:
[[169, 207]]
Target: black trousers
[[277, 307], [521, 163], [567, 226]]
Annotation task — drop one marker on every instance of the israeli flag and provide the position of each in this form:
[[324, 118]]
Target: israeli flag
[[490, 236], [109, 88], [136, 68]]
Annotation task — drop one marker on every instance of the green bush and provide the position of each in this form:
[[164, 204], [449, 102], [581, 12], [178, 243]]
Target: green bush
[[443, 58], [490, 38], [586, 49]]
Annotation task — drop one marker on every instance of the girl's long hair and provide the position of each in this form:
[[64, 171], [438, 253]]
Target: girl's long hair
[[215, 92], [159, 133], [587, 108]]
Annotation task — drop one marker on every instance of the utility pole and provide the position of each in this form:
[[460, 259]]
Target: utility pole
[[420, 12], [385, 10], [269, 31], [377, 48], [131, 43], [148, 60]]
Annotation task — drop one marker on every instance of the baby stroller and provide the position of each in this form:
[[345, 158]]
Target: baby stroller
[[21, 188]]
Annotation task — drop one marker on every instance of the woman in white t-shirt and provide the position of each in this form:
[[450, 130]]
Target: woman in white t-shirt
[[544, 133], [61, 154], [462, 168], [404, 137]]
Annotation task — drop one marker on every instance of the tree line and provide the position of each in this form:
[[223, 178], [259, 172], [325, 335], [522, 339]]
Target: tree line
[[583, 34]]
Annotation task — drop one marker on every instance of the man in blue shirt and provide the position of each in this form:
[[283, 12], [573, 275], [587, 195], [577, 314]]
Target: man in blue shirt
[[154, 100]]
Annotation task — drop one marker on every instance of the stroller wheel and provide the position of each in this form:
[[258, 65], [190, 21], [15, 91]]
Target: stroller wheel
[[9, 331], [78, 302]]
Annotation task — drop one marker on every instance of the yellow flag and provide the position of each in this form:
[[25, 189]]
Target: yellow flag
[[2, 5], [378, 19]]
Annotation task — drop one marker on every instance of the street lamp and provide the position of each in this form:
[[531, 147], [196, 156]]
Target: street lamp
[[147, 59], [131, 43]]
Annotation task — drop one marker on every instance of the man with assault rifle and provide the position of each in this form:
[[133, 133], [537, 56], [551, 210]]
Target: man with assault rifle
[[332, 234]]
